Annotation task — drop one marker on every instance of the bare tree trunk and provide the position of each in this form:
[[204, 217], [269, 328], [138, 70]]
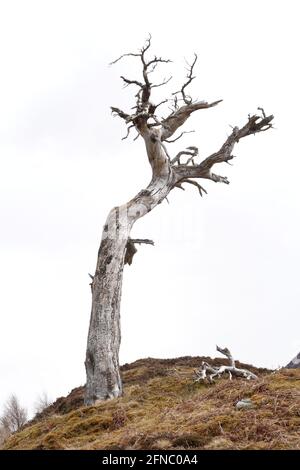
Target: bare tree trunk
[[102, 356]]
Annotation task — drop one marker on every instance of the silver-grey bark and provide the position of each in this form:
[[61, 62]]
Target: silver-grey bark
[[117, 248]]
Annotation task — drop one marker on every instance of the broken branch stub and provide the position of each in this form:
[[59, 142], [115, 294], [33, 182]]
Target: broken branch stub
[[131, 249]]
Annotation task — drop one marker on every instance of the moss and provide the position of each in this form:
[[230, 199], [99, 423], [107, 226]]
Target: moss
[[52, 442], [163, 409], [190, 441], [92, 425]]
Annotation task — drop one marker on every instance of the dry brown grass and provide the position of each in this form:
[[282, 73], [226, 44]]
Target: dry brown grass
[[163, 409]]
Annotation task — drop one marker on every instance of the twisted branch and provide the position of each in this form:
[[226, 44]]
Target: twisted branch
[[143, 103], [145, 109], [192, 151], [254, 125], [187, 99], [179, 137], [178, 117], [194, 183], [188, 171], [200, 374]]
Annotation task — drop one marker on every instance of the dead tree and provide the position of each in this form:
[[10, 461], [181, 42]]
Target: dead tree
[[201, 373], [168, 172]]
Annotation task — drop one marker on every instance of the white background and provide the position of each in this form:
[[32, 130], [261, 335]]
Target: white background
[[224, 268]]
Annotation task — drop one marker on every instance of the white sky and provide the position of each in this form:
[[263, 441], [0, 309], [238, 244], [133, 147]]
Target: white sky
[[225, 268]]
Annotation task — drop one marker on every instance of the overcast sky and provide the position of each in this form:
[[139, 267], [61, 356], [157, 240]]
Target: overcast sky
[[225, 268]]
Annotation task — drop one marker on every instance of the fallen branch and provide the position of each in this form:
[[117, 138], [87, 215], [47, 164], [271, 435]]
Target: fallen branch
[[201, 373]]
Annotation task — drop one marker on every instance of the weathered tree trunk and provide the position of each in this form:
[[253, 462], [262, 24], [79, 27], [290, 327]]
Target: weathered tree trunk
[[102, 356]]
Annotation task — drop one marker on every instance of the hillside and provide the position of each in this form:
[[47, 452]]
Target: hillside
[[162, 408]]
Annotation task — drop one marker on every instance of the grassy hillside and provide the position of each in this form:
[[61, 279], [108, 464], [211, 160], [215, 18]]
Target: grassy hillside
[[162, 408]]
